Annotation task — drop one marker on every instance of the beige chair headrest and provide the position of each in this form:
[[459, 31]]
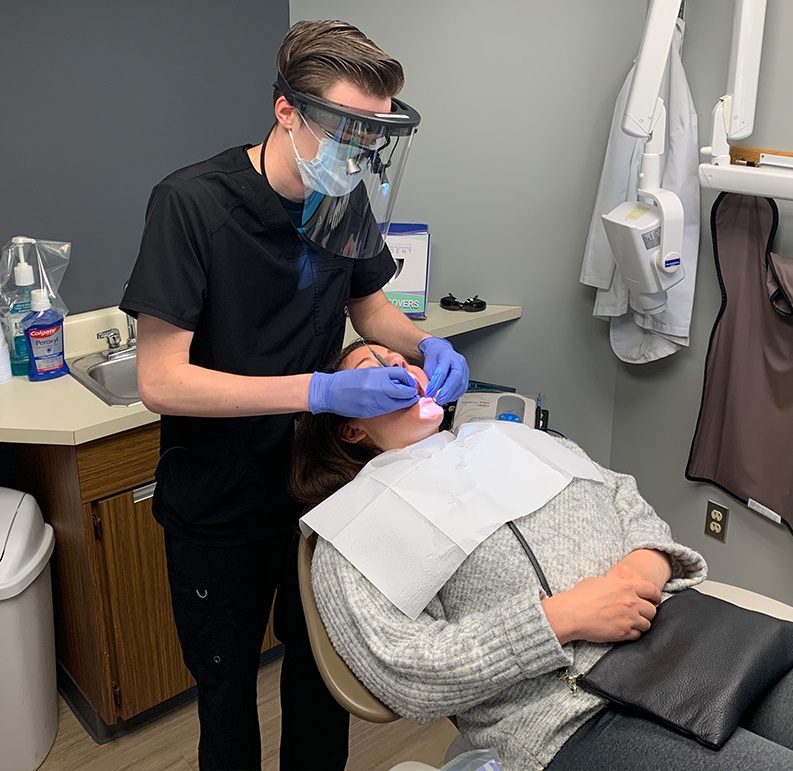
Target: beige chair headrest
[[341, 682]]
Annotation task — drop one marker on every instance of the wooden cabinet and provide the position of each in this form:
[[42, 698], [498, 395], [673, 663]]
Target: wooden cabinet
[[148, 661], [119, 660]]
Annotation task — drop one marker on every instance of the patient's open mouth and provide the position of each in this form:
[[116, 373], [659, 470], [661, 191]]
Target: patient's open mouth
[[419, 385]]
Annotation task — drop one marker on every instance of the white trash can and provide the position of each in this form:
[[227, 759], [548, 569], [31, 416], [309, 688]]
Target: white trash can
[[28, 693]]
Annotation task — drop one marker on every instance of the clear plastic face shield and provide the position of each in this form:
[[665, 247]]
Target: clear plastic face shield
[[352, 182]]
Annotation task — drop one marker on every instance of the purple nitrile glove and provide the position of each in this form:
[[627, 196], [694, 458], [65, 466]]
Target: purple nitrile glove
[[362, 393], [446, 369]]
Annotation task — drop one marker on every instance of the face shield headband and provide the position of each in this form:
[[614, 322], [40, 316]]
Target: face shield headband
[[352, 182]]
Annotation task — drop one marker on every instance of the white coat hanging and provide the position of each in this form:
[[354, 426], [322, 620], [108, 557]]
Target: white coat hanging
[[638, 338]]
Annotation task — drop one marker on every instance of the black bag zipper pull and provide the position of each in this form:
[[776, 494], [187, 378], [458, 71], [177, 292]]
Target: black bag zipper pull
[[570, 680]]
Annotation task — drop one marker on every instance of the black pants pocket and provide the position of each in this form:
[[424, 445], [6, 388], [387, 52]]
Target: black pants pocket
[[202, 619], [224, 664]]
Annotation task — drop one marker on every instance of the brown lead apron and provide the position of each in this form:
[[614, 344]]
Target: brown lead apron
[[744, 437]]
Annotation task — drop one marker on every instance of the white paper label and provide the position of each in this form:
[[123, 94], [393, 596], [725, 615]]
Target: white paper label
[[764, 510]]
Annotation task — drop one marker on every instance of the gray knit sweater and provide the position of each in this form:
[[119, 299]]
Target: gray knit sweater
[[483, 649]]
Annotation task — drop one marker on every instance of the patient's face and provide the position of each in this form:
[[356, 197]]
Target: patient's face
[[393, 430]]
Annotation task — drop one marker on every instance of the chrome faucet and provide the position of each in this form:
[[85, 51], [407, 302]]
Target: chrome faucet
[[132, 338], [132, 332], [115, 350], [113, 338]]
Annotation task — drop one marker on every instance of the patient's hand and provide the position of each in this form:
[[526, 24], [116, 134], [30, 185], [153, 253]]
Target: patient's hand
[[649, 564], [611, 608], [628, 572]]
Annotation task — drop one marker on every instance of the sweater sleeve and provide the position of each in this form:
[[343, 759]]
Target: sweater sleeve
[[644, 529], [431, 667]]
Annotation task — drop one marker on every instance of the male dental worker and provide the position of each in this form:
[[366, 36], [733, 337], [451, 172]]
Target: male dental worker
[[247, 263]]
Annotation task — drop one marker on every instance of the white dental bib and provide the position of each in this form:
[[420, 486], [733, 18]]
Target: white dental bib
[[412, 516]]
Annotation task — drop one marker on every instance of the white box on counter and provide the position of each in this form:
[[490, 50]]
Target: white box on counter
[[410, 247]]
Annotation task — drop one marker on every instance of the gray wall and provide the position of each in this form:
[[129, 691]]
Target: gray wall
[[516, 100], [657, 404], [101, 100]]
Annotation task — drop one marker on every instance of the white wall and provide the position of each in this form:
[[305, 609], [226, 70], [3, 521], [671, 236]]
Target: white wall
[[516, 99], [657, 404]]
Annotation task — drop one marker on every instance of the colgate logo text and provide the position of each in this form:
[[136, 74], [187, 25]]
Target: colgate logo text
[[48, 332]]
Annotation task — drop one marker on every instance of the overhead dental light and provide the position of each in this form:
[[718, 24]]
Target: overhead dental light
[[733, 115], [646, 238]]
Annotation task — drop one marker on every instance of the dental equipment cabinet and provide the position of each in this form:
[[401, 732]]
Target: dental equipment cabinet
[[647, 239], [91, 468]]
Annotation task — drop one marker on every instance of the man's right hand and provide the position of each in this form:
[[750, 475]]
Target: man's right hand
[[362, 393], [605, 609]]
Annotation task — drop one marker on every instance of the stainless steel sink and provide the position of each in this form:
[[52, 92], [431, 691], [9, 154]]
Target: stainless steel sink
[[114, 380]]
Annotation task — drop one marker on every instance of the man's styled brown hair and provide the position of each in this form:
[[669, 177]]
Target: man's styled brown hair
[[321, 461], [315, 55]]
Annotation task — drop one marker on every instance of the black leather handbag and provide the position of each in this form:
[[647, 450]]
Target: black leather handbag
[[699, 667]]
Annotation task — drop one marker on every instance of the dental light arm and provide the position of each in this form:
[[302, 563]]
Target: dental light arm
[[738, 104], [641, 116], [733, 115], [634, 229], [647, 240]]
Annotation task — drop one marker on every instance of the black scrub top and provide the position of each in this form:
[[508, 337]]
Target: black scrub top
[[220, 257]]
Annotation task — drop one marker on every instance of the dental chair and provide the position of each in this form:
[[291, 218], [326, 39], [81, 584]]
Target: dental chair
[[345, 687], [357, 700]]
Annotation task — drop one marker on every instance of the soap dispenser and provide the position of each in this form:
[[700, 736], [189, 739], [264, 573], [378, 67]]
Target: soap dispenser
[[19, 307]]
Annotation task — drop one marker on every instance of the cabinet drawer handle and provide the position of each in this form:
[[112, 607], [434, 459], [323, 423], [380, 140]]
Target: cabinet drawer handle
[[143, 493]]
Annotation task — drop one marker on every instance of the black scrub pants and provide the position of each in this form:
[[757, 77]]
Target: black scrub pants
[[221, 602]]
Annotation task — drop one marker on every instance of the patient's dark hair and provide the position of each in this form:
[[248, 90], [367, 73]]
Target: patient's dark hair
[[321, 461]]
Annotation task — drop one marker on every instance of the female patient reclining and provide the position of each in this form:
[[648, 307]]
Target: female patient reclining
[[488, 647]]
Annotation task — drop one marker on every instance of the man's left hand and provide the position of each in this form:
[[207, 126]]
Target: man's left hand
[[446, 369]]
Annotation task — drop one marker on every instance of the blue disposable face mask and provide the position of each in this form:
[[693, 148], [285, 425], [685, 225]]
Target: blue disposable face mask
[[326, 173]]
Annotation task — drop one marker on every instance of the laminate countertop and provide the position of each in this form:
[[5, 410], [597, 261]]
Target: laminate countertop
[[64, 412]]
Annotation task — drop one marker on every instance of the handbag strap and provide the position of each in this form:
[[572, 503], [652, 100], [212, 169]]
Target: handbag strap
[[563, 673], [534, 562]]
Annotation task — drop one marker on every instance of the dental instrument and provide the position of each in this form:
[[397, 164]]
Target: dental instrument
[[377, 356], [429, 409]]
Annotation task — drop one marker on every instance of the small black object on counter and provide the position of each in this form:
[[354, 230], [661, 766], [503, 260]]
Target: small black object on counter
[[474, 303], [450, 303]]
